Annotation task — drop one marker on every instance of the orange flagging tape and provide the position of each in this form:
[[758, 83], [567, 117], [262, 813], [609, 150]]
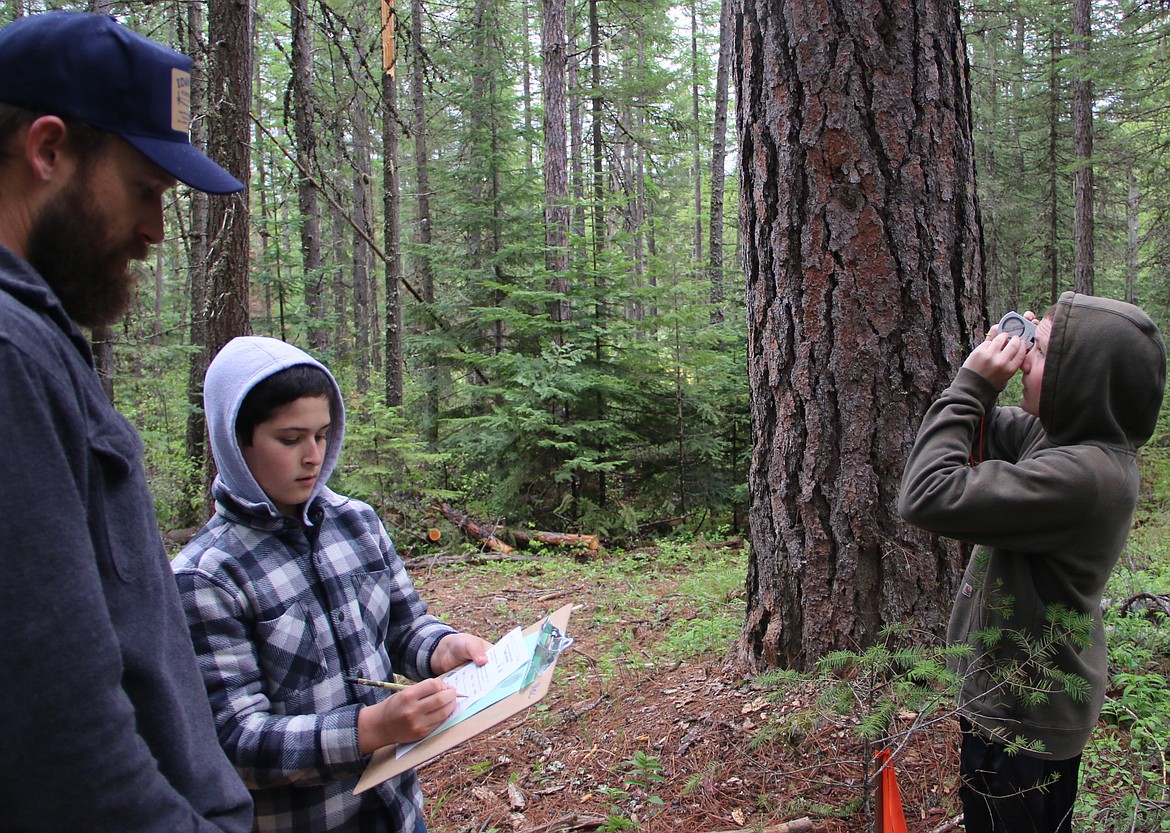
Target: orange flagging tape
[[890, 815]]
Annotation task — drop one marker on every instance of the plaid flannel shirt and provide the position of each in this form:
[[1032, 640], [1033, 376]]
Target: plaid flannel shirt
[[282, 615]]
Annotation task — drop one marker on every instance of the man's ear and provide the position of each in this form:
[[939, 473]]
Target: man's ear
[[44, 147]]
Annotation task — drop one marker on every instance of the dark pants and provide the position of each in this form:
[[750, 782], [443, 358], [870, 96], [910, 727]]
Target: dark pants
[[1017, 793]]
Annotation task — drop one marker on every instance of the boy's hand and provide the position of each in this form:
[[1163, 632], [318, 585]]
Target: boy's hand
[[405, 716], [999, 357], [456, 649]]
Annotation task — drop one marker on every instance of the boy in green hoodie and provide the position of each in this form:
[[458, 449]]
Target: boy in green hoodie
[[1046, 493]]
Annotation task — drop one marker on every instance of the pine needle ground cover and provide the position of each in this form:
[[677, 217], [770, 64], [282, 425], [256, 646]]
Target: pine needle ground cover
[[648, 727]]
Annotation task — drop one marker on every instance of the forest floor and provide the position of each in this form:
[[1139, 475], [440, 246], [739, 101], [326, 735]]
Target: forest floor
[[626, 739]]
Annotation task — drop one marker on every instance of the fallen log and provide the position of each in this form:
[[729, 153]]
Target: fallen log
[[524, 539], [493, 538], [474, 530]]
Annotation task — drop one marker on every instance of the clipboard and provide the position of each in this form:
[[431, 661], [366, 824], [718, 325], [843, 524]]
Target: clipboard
[[384, 764]]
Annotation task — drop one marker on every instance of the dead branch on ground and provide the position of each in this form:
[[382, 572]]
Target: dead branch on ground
[[494, 537]]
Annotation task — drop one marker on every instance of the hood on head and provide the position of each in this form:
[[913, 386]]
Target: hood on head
[[1104, 373], [243, 363]]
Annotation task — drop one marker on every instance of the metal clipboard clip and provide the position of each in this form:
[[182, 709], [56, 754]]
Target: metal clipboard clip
[[549, 644]]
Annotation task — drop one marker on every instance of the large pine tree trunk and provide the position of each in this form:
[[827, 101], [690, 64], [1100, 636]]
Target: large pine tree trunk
[[220, 225], [864, 282], [306, 142], [231, 28]]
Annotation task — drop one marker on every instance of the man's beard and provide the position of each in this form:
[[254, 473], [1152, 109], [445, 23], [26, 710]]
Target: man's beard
[[69, 244]]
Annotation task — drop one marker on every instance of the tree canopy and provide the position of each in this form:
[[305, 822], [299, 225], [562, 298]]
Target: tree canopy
[[594, 379]]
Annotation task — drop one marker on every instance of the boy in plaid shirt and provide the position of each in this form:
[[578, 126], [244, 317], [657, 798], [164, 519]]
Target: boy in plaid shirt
[[291, 591]]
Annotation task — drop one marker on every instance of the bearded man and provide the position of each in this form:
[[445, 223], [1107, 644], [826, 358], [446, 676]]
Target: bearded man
[[106, 723]]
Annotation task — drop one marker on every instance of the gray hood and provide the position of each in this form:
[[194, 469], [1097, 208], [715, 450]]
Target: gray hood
[[242, 364]]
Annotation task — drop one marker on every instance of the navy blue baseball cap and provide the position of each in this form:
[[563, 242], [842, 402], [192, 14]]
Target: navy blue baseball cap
[[89, 67]]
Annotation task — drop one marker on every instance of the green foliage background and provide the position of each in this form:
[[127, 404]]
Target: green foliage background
[[633, 414]]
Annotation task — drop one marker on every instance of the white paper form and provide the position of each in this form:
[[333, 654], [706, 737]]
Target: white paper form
[[473, 681], [505, 658]]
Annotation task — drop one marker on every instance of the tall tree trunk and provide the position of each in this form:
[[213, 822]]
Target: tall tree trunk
[[363, 288], [484, 242], [391, 202], [864, 282], [306, 143], [1014, 258], [1052, 243], [718, 160], [422, 234], [1083, 266], [220, 310], [992, 221], [526, 80], [556, 160], [230, 28], [1133, 204], [269, 239], [600, 238], [576, 136], [337, 247], [496, 47], [597, 99], [696, 138], [196, 430], [638, 197], [474, 114]]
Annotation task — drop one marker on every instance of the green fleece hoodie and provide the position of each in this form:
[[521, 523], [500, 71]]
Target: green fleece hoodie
[[1048, 505]]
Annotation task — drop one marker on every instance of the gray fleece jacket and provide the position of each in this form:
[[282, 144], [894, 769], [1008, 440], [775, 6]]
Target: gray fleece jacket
[[106, 728], [1048, 503]]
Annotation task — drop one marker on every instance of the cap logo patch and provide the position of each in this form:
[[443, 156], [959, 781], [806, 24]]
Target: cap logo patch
[[180, 100], [91, 68]]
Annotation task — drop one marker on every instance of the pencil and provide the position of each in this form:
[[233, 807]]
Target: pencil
[[391, 686], [380, 684]]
